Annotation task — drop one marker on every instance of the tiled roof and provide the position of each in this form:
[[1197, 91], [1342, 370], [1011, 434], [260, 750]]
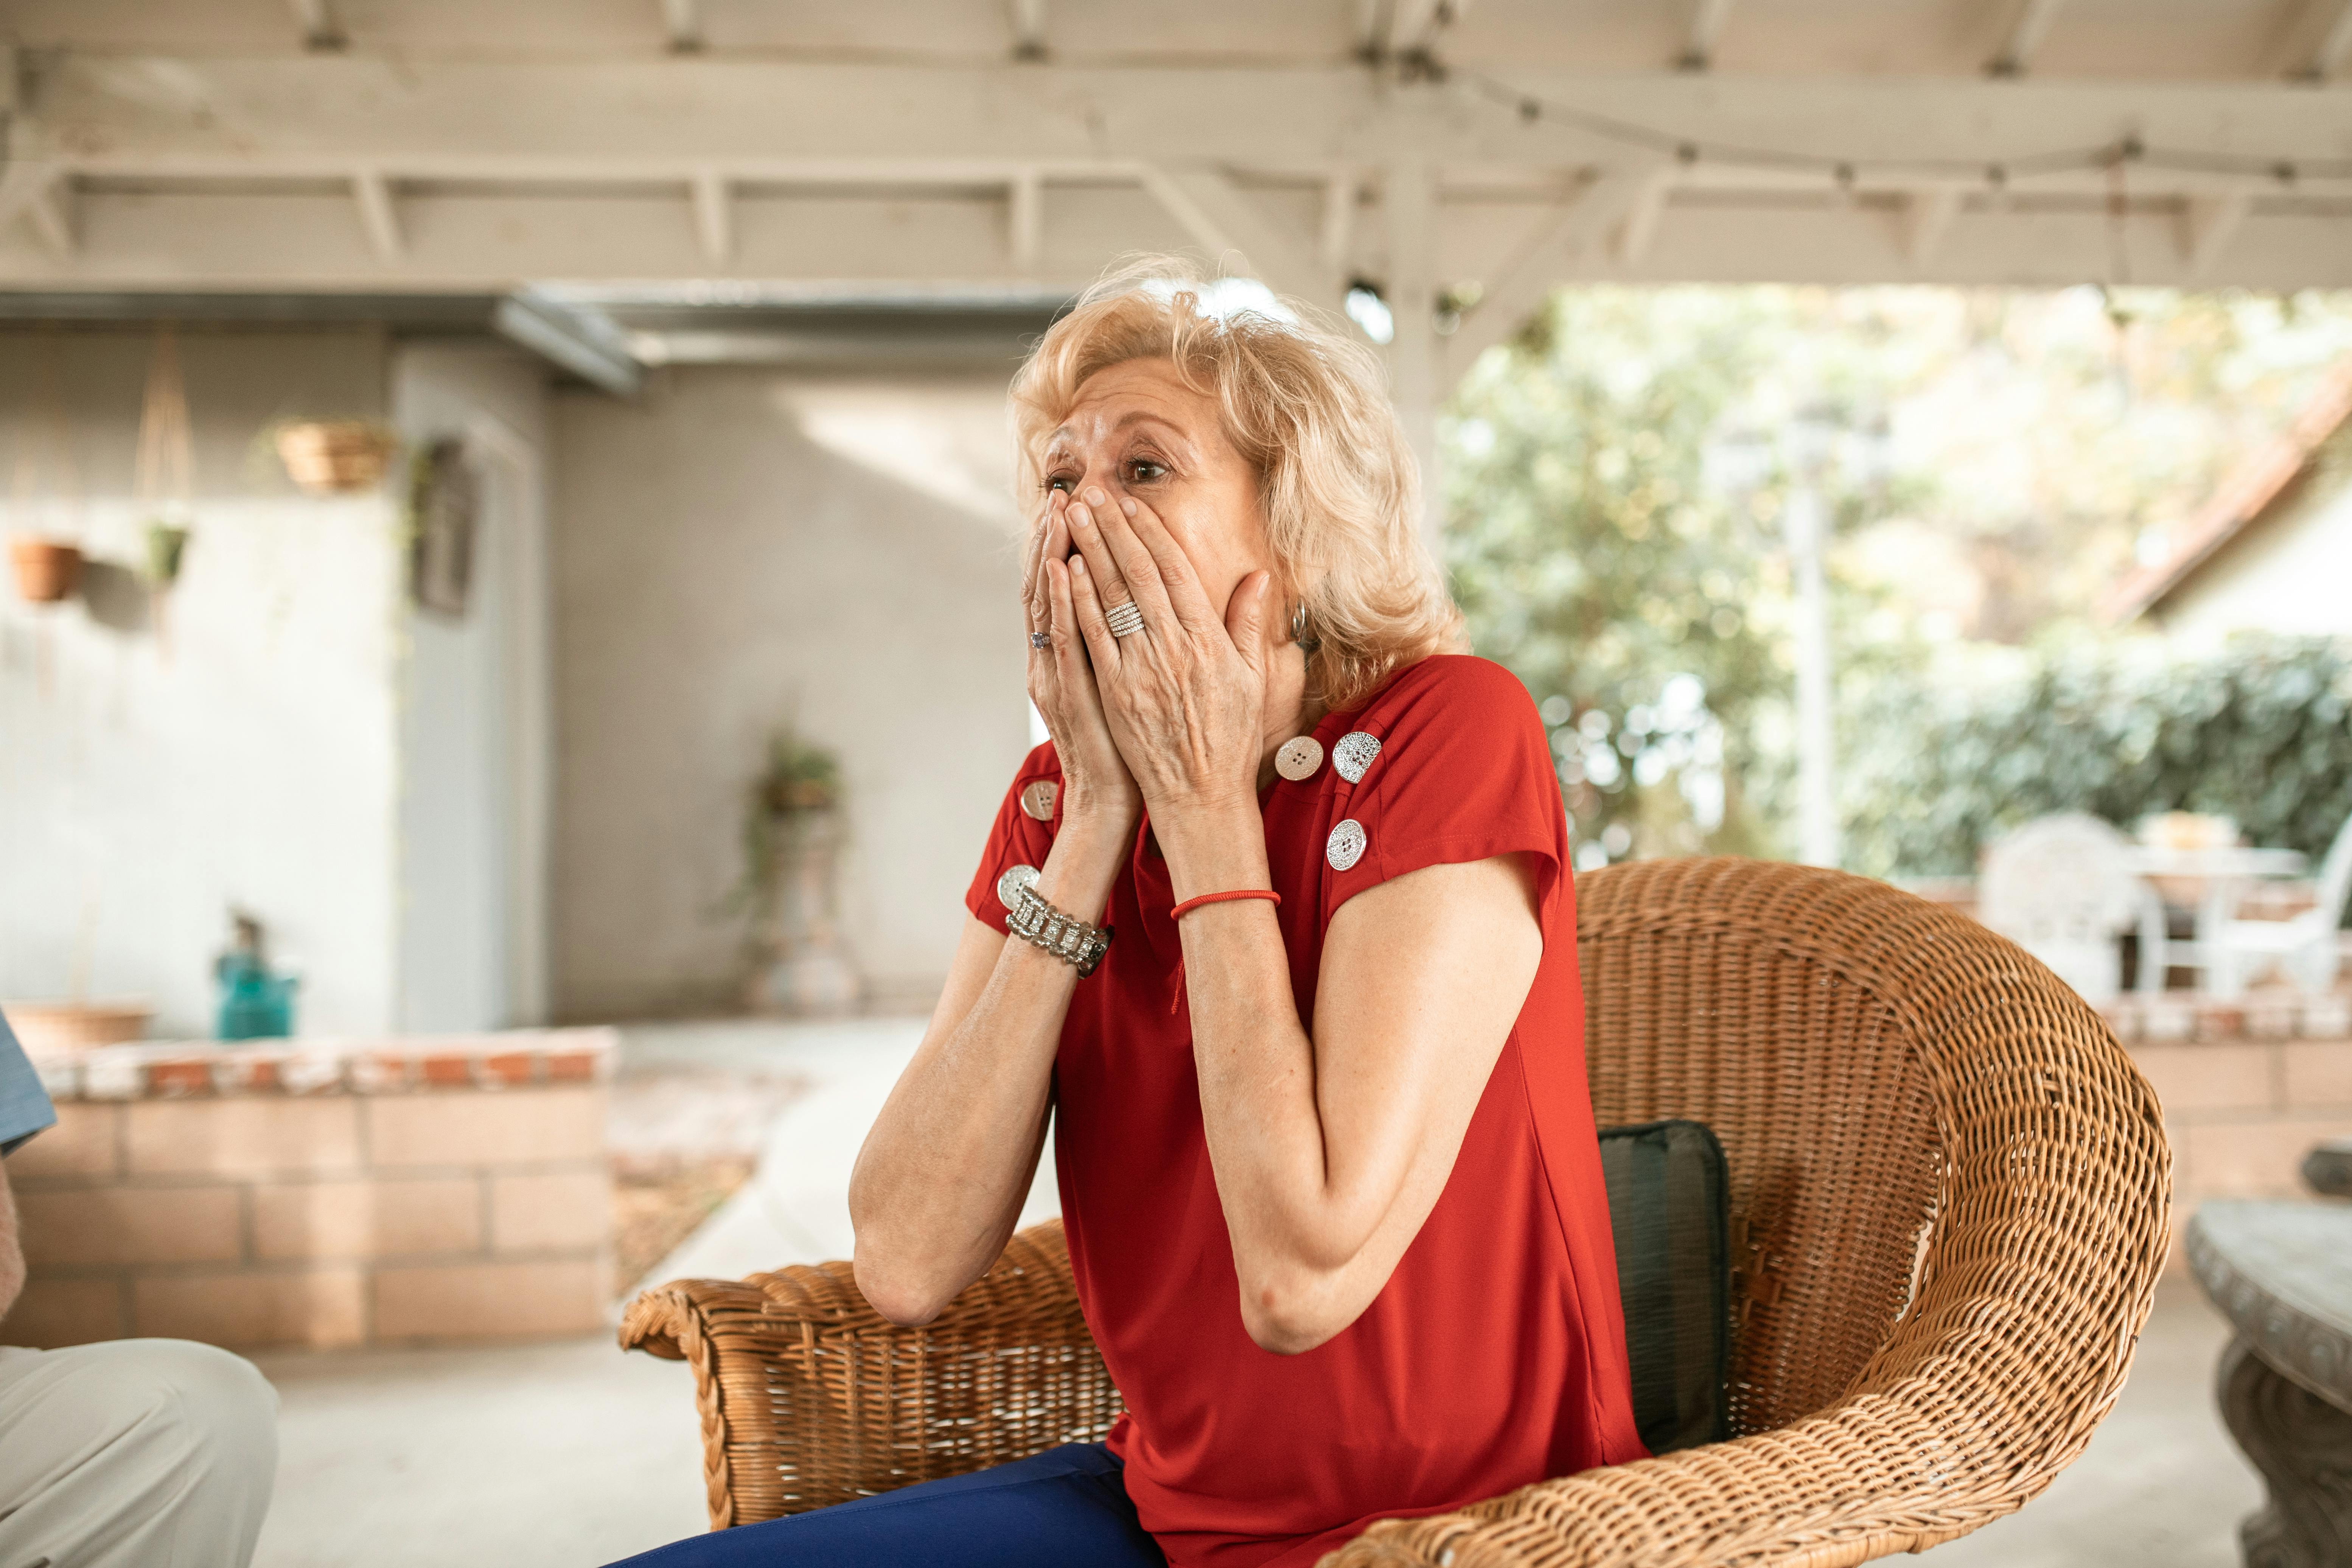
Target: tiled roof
[[2238, 501]]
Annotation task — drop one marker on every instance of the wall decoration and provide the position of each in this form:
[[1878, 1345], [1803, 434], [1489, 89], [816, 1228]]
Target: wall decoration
[[444, 503]]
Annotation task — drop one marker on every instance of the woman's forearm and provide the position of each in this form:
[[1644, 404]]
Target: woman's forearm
[[939, 1182], [1294, 1218]]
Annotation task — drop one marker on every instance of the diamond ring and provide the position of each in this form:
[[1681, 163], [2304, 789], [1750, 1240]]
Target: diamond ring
[[1040, 640], [1124, 620]]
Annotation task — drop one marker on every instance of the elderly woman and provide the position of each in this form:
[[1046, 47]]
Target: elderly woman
[[1277, 933]]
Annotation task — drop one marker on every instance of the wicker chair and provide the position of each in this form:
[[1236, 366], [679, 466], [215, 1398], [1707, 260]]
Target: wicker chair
[[1949, 1195]]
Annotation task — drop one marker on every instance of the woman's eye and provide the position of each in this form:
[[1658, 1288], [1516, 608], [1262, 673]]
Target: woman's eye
[[1061, 482], [1143, 471]]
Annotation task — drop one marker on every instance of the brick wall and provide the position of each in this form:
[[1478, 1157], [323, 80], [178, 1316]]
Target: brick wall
[[2248, 1087], [410, 1191]]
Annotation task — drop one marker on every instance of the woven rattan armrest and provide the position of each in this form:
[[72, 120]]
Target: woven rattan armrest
[[809, 1397]]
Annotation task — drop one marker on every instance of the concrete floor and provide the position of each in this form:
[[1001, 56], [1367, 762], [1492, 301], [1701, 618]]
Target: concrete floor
[[573, 1455]]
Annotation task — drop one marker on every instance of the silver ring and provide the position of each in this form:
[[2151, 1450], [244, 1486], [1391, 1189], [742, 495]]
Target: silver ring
[[1124, 620], [1040, 640]]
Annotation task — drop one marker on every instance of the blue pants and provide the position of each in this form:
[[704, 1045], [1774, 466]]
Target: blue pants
[[1066, 1508]]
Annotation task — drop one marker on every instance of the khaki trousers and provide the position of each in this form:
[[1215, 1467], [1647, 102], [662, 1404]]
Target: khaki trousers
[[133, 1454]]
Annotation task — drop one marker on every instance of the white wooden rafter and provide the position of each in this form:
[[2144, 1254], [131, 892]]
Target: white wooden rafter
[[1927, 219], [1707, 18], [2026, 29], [379, 217], [682, 24], [1029, 34], [2334, 46], [1025, 218], [2207, 224], [1224, 221], [714, 216], [317, 20], [1569, 234], [1639, 226], [51, 213]]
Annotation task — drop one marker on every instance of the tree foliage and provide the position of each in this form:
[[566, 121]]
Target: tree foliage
[[2025, 447], [2260, 730]]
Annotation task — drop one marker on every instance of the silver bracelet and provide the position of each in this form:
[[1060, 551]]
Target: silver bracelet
[[1039, 923]]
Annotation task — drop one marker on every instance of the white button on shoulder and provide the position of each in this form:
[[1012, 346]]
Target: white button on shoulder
[[1009, 886], [1037, 799], [1346, 845], [1354, 754], [1298, 758]]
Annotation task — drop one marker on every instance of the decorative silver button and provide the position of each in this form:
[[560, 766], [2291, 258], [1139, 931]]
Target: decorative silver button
[[1299, 757], [1354, 754], [1346, 846], [1037, 799], [1009, 886]]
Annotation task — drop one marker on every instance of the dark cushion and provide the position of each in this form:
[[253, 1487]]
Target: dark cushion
[[1669, 1205]]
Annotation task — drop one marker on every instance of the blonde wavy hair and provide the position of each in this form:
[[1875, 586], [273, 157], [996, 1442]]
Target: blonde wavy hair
[[1306, 405]]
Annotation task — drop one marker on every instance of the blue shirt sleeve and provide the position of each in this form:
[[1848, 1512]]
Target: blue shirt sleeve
[[25, 1107]]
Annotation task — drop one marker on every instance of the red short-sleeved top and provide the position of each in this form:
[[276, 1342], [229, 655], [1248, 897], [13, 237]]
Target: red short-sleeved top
[[1495, 1354]]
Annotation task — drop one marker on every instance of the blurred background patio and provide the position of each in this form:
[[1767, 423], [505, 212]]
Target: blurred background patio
[[512, 567]]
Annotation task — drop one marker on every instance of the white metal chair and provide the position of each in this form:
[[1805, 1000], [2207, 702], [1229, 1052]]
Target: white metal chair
[[2305, 947], [2062, 888]]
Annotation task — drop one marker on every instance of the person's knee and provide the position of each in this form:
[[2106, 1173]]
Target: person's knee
[[216, 1411]]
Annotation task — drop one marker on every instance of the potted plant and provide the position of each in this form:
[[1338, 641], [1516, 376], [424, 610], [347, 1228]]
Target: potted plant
[[47, 569], [335, 456], [792, 837]]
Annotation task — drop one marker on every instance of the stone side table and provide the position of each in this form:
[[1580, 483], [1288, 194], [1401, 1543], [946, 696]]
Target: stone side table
[[2282, 1274]]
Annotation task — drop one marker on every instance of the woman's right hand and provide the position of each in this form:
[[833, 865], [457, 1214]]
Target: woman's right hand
[[1097, 790]]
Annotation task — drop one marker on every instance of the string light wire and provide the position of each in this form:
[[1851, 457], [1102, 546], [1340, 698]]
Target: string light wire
[[1847, 172]]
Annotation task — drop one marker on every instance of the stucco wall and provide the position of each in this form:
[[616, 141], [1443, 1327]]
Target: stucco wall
[[744, 547], [240, 749]]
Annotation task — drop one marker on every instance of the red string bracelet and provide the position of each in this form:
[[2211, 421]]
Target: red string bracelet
[[1189, 905]]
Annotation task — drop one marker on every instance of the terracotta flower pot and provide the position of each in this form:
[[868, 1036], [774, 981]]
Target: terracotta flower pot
[[54, 1026], [335, 456], [47, 569]]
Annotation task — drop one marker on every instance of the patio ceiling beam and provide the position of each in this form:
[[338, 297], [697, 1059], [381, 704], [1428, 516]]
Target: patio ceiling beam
[[1224, 221], [321, 30], [379, 218], [1025, 219], [2209, 223], [614, 117], [583, 343], [714, 216], [1028, 19], [2335, 46], [1630, 244], [51, 213], [1578, 226], [1928, 217], [1707, 17], [682, 24], [305, 238], [2027, 29]]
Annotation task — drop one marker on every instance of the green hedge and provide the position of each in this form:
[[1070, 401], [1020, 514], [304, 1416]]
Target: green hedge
[[2261, 730]]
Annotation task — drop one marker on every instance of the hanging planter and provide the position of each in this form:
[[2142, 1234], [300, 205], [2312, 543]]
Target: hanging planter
[[47, 569], [167, 546], [335, 456]]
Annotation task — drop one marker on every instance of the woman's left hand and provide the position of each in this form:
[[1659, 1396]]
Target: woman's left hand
[[1185, 696]]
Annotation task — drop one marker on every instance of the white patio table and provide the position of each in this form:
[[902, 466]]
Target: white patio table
[[2222, 874]]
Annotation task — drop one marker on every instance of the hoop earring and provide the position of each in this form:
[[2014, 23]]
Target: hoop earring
[[1298, 628]]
